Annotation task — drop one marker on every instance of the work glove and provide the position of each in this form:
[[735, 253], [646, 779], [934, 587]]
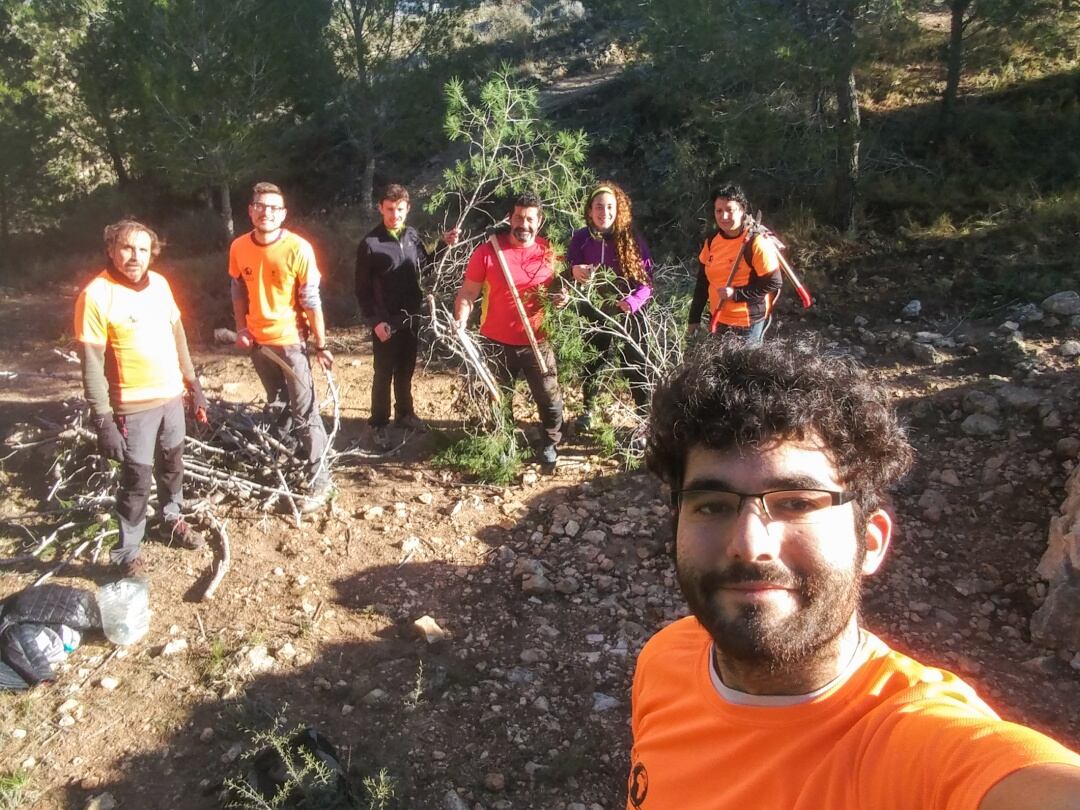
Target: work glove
[[110, 442], [199, 404]]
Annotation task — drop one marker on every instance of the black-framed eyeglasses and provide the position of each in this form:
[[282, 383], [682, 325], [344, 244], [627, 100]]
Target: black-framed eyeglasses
[[269, 209], [781, 505]]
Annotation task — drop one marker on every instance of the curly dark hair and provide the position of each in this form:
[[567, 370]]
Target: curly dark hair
[[731, 192], [729, 394], [626, 246], [528, 199]]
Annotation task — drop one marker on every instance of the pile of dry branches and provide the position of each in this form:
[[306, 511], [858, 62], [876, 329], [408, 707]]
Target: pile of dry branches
[[240, 456]]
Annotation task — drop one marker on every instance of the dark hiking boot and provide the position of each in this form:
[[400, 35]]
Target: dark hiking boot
[[548, 455], [181, 534], [133, 568], [411, 422]]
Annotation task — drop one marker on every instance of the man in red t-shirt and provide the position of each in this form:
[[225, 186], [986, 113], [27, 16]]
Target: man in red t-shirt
[[772, 695], [532, 269]]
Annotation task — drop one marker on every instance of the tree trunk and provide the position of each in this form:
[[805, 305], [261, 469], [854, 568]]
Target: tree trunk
[[848, 128], [367, 179], [954, 64], [226, 209], [112, 147], [5, 226]]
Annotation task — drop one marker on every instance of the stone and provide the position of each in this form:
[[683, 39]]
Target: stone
[[206, 735], [103, 801], [174, 647], [495, 782], [1026, 313], [1019, 398], [108, 683], [536, 584], [911, 309], [925, 353], [454, 802], [980, 424], [374, 697], [950, 478], [1064, 303], [426, 498], [259, 660], [604, 703], [233, 754], [980, 402], [1068, 447], [1070, 348], [428, 629]]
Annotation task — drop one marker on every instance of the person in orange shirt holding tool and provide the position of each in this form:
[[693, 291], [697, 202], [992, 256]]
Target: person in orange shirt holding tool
[[772, 695], [277, 308], [135, 367], [514, 271], [740, 274]]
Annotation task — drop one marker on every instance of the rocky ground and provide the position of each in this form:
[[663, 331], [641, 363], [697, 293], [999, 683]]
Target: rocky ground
[[539, 594]]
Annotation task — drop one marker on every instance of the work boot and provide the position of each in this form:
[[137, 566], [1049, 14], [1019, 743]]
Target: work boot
[[583, 424], [411, 421], [135, 567], [180, 533], [380, 437], [549, 454], [317, 494]]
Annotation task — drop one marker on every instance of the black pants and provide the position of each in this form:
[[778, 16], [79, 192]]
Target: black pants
[[629, 361], [292, 398], [153, 448], [511, 361], [395, 362]]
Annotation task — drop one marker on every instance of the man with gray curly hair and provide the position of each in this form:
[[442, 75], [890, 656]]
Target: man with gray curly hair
[[135, 367], [772, 694]]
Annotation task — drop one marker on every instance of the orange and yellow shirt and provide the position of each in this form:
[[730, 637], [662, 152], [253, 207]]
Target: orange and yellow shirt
[[718, 255], [136, 328], [273, 276], [893, 735]]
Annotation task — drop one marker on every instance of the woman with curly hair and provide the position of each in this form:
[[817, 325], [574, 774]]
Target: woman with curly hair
[[609, 240]]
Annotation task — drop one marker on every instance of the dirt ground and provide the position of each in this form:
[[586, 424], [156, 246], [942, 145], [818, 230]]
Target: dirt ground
[[526, 703]]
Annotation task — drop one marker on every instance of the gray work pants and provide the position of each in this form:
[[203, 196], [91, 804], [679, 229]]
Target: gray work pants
[[153, 446], [512, 361], [292, 401]]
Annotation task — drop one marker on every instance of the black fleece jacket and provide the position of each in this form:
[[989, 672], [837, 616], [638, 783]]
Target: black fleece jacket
[[388, 274]]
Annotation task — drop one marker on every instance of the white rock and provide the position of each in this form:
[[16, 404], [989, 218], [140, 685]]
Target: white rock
[[428, 629], [108, 683], [174, 647], [18, 733], [68, 706], [603, 703], [206, 735], [1070, 348], [911, 309]]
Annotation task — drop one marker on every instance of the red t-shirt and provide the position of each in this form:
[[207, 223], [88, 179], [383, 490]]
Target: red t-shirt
[[531, 268]]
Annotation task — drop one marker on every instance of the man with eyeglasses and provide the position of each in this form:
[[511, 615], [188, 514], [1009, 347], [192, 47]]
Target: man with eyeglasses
[[772, 695], [279, 320]]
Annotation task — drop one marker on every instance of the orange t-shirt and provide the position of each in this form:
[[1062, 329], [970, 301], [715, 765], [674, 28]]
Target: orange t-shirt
[[718, 255], [273, 275], [136, 327], [895, 735]]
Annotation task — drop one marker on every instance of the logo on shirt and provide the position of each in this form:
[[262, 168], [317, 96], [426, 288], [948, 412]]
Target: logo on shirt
[[639, 785], [247, 271]]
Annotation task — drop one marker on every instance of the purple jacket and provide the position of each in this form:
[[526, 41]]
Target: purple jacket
[[584, 248]]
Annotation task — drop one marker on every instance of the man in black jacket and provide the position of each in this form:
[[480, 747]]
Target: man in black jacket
[[389, 263]]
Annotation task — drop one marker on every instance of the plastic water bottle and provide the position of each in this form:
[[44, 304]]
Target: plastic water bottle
[[125, 610]]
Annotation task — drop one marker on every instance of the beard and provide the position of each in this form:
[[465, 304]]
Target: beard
[[755, 634], [524, 235]]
